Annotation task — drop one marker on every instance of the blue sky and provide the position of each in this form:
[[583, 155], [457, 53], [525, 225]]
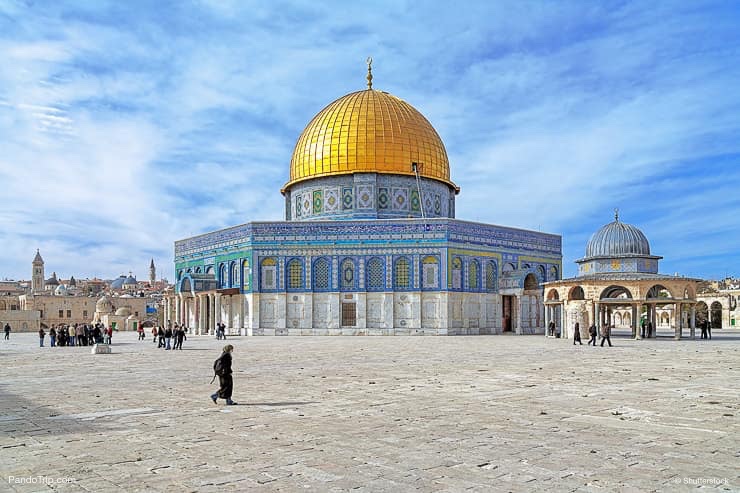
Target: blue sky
[[127, 125]]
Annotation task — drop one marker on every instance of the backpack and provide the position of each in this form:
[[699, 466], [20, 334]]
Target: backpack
[[218, 367]]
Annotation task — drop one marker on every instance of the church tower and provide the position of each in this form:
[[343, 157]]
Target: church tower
[[37, 277], [152, 272]]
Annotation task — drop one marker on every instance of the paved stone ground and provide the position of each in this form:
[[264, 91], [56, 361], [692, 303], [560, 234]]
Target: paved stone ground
[[485, 413]]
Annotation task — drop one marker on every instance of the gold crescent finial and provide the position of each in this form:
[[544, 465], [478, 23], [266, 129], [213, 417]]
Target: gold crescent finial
[[616, 214], [369, 72]]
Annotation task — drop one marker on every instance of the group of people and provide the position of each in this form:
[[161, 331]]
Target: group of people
[[706, 329], [165, 336], [221, 331], [77, 335], [606, 332]]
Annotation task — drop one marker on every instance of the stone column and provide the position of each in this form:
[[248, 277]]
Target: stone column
[[212, 324], [635, 325], [166, 314], [597, 316], [231, 313], [693, 321], [178, 308], [217, 311], [562, 320], [203, 314], [677, 320], [654, 317], [548, 308], [241, 315], [638, 311], [518, 315]]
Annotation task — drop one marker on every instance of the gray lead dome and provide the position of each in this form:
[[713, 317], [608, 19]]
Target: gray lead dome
[[617, 239]]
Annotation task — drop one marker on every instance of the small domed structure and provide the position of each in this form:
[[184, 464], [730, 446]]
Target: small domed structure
[[61, 290], [618, 247], [124, 311], [104, 305], [617, 239], [52, 281]]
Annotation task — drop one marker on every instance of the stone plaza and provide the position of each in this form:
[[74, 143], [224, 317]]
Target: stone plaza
[[485, 413]]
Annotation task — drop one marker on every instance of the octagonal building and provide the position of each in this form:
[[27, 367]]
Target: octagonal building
[[370, 244]]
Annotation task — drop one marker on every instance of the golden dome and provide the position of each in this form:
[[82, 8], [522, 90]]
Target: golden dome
[[369, 132]]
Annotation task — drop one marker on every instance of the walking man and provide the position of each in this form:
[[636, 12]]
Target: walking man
[[42, 334], [606, 331], [222, 370], [168, 338], [577, 334], [7, 331], [592, 334]]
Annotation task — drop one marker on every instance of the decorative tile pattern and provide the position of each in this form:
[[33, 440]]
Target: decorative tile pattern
[[365, 197], [298, 205], [429, 205], [415, 201], [331, 200], [317, 201], [347, 198], [384, 200], [306, 204], [400, 199]]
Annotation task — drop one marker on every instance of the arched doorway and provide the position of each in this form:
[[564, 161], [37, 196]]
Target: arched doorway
[[576, 294], [702, 313], [716, 315]]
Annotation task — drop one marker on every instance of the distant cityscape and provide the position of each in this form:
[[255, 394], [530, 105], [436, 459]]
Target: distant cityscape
[[123, 303]]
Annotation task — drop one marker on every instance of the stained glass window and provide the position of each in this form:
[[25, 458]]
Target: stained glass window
[[401, 274], [347, 274], [456, 273], [295, 274], [430, 266], [490, 276], [234, 276], [269, 273], [473, 281], [375, 275], [321, 274]]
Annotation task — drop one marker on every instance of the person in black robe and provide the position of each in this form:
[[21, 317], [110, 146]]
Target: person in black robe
[[226, 382], [577, 334]]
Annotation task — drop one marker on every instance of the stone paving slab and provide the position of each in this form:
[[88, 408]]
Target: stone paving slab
[[437, 414]]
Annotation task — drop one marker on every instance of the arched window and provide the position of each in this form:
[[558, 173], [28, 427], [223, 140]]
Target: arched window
[[245, 273], [347, 274], [268, 273], [473, 279], [295, 274], [491, 276], [209, 269], [430, 272], [402, 274], [553, 276], [197, 270], [321, 275], [541, 274], [234, 275], [456, 273], [222, 279], [375, 274]]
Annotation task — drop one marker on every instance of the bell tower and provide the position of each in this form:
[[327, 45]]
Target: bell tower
[[37, 276], [152, 272]]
